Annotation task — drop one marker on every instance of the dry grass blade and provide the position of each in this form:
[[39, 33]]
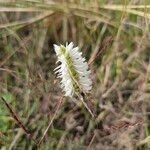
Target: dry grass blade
[[121, 7], [19, 122], [100, 49], [27, 22], [89, 146], [12, 9], [129, 10], [51, 121]]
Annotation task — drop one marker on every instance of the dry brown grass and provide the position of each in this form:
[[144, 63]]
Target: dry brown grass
[[113, 36]]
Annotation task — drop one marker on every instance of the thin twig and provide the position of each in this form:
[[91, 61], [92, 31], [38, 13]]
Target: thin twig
[[51, 121], [16, 118]]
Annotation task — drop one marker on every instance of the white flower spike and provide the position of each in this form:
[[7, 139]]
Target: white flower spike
[[73, 70]]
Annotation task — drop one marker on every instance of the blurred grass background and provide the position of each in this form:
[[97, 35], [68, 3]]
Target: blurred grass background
[[114, 36]]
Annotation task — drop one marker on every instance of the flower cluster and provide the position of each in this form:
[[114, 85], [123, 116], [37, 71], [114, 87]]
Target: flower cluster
[[73, 70]]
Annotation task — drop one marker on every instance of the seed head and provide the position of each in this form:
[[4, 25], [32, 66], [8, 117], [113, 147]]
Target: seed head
[[73, 70]]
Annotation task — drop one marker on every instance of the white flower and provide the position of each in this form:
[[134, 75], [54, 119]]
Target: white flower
[[73, 70]]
